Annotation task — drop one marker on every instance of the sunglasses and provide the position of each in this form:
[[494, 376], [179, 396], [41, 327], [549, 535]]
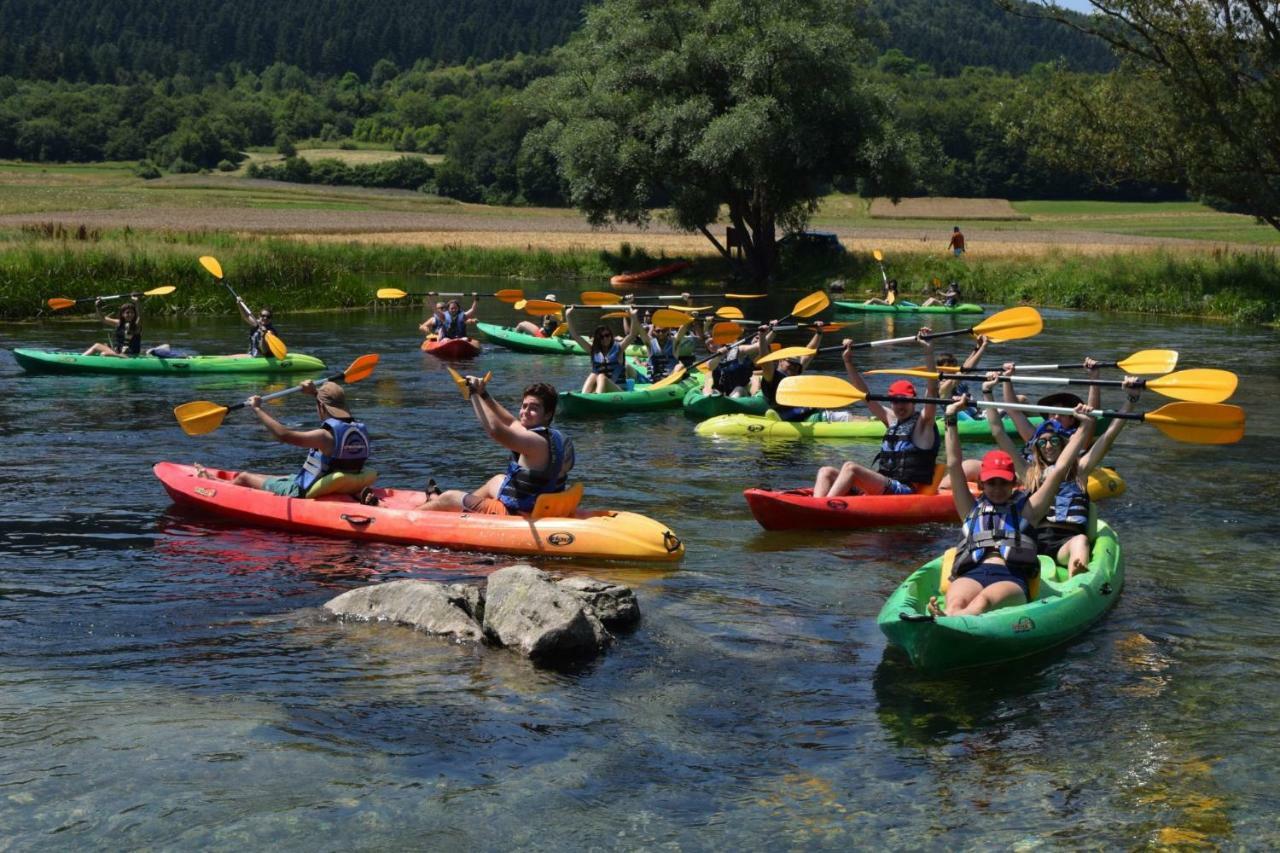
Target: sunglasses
[[1050, 441]]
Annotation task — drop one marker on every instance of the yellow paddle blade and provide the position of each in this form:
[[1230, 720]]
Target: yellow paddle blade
[[615, 315], [918, 372], [1202, 385], [745, 295], [785, 353], [210, 263], [57, 303], [425, 345], [891, 297], [509, 295], [690, 309], [877, 254], [539, 307], [598, 297], [827, 328], [729, 312], [1011, 324], [817, 392], [390, 293], [360, 368], [814, 303], [162, 290], [671, 378], [1150, 361], [460, 382], [704, 366], [563, 329], [725, 333], [275, 345], [519, 304], [200, 417], [668, 319], [1199, 423]]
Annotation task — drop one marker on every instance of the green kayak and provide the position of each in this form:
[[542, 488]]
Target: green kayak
[[769, 425], [51, 361], [908, 308], [641, 398], [1063, 608], [520, 342], [701, 406]]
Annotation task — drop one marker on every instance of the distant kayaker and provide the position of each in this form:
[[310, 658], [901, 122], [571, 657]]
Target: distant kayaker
[[608, 359], [451, 322], [997, 556], [732, 368], [950, 297], [1062, 534], [541, 457], [774, 372], [126, 340], [909, 449], [340, 443], [890, 286], [547, 327], [662, 347], [260, 324]]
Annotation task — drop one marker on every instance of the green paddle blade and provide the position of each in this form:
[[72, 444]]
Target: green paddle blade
[[211, 264], [200, 417], [817, 392]]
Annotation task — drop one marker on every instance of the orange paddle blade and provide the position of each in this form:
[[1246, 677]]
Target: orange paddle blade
[[57, 303]]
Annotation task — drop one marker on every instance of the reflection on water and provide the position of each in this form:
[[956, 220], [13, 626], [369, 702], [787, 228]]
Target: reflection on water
[[168, 680]]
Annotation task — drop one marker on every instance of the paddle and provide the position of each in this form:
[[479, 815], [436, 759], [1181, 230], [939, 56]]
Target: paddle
[[1199, 423], [542, 307], [201, 416], [1143, 361], [1009, 325], [729, 312], [890, 296], [57, 303], [665, 318], [462, 383], [1200, 385], [272, 340], [397, 293], [599, 297], [808, 306], [725, 333]]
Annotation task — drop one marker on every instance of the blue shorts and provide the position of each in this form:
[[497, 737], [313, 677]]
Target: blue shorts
[[990, 573], [896, 487], [285, 486]]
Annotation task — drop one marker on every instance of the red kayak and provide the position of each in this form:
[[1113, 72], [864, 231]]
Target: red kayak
[[452, 349], [798, 509], [650, 275]]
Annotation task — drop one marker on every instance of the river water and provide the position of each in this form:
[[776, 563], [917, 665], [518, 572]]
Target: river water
[[165, 680]]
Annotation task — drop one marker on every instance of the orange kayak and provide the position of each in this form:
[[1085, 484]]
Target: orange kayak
[[650, 275], [602, 534], [452, 349]]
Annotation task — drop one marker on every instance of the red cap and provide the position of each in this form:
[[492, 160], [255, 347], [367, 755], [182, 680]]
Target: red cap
[[902, 388], [997, 465]]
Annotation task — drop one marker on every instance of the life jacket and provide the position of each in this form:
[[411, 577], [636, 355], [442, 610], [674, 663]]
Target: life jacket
[[661, 357], [732, 372], [951, 298], [769, 387], [127, 339], [1070, 508], [610, 362], [451, 325], [550, 322], [350, 450], [962, 389], [257, 337], [521, 486], [899, 458], [991, 530]]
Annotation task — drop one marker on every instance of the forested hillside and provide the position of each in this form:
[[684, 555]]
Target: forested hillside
[[110, 41]]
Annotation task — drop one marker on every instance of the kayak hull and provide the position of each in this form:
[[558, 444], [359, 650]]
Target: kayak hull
[[651, 274], [587, 535], [643, 398], [701, 406], [798, 509], [452, 349], [906, 308], [520, 342], [1064, 608], [51, 361], [769, 425]]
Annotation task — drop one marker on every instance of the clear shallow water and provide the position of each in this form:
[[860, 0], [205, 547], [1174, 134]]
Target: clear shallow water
[[164, 679]]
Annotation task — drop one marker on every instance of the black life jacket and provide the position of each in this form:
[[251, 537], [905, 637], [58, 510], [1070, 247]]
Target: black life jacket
[[127, 338], [257, 339], [661, 357], [899, 458], [732, 372], [991, 530]]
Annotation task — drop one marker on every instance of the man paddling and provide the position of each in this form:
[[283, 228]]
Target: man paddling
[[541, 457]]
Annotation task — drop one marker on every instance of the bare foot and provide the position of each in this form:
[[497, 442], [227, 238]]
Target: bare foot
[[201, 471], [1078, 566], [933, 608]]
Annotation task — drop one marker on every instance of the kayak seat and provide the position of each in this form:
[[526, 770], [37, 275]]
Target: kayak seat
[[558, 504], [342, 483], [1033, 586], [939, 471]]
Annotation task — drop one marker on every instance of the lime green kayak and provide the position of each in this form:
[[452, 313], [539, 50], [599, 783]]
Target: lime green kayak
[[769, 425], [701, 406], [520, 342], [641, 398], [1063, 608], [51, 361], [908, 308]]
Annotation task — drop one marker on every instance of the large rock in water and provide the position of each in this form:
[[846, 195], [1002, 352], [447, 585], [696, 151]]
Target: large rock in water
[[450, 611], [614, 604], [528, 611]]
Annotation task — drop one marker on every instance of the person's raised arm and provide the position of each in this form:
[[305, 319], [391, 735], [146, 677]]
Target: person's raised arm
[[814, 344], [955, 456], [1095, 391], [503, 427], [1094, 456], [857, 381], [975, 358], [924, 427], [1041, 500], [318, 439], [573, 331], [245, 313], [1020, 421], [630, 336], [996, 423], [106, 320], [470, 313]]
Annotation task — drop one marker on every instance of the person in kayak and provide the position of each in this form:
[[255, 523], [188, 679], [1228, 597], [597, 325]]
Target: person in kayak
[[997, 555], [909, 449], [126, 339], [546, 328], [1063, 533], [541, 456], [732, 367], [774, 372], [259, 326], [890, 286], [662, 347], [451, 322], [608, 363], [1060, 399], [340, 443], [950, 297], [950, 387]]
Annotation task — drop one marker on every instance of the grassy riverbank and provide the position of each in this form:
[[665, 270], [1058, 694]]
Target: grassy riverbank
[[295, 275]]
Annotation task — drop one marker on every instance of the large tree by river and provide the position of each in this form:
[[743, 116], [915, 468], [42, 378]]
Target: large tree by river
[[1197, 100], [753, 107]]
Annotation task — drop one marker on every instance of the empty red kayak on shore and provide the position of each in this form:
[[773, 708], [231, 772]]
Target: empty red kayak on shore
[[650, 275]]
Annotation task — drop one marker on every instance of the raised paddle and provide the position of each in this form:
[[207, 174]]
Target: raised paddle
[[808, 306], [462, 383], [202, 417], [397, 293], [729, 312], [1198, 423], [725, 333], [889, 295], [1199, 385], [57, 303], [668, 319], [1143, 361], [271, 339]]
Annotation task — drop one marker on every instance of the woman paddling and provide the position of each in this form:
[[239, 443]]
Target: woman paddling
[[545, 329], [608, 362], [126, 340]]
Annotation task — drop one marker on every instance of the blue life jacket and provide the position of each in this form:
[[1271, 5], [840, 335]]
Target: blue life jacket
[[661, 357], [257, 340], [520, 488], [1070, 508], [127, 339], [732, 372], [350, 450], [899, 458], [991, 530], [610, 363], [451, 325]]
